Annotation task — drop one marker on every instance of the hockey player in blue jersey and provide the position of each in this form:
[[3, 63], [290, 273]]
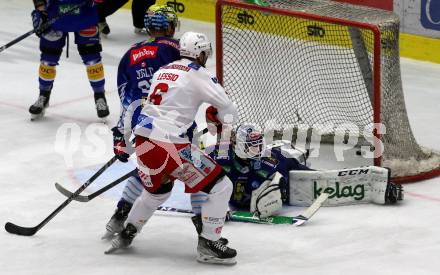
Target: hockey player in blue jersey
[[251, 166], [262, 177], [82, 21], [135, 72]]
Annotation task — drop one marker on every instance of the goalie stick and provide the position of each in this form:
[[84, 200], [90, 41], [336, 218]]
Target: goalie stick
[[29, 231], [296, 220], [243, 216], [235, 216]]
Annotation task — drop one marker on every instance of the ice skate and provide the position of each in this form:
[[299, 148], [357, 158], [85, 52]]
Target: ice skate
[[393, 193], [101, 105], [116, 223], [123, 240], [37, 109], [197, 221], [214, 252], [104, 28]]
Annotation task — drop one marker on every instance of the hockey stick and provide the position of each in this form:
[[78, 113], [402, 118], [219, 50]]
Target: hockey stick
[[235, 216], [296, 220], [44, 27], [29, 231], [243, 216], [90, 197]]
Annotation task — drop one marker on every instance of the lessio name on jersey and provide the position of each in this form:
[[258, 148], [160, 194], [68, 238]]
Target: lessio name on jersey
[[167, 76], [140, 54]]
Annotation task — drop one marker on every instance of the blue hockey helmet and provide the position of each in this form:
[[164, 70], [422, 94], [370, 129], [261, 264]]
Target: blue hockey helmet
[[160, 17]]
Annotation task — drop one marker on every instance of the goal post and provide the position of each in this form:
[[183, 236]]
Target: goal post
[[319, 62]]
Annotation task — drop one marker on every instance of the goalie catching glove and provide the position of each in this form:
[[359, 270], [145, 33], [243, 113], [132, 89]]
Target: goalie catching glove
[[266, 199]]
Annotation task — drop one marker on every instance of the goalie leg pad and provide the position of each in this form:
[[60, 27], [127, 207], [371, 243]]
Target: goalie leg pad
[[345, 187]]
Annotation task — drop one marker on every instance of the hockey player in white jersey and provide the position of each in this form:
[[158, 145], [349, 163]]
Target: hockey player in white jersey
[[164, 152]]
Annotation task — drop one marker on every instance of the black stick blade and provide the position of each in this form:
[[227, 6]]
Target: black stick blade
[[67, 193], [18, 230]]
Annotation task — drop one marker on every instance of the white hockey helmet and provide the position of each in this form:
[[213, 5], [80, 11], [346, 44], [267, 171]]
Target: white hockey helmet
[[249, 142], [192, 44]]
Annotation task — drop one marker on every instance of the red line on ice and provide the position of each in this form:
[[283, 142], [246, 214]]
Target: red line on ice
[[425, 197]]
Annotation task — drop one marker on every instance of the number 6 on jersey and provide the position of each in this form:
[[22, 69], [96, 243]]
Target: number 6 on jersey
[[156, 95]]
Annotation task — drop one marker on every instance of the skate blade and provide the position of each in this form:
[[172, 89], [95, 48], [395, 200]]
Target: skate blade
[[207, 259], [37, 117], [108, 236], [111, 250], [103, 120]]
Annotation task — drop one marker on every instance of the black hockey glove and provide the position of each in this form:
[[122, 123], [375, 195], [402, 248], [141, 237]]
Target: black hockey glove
[[39, 18], [119, 145]]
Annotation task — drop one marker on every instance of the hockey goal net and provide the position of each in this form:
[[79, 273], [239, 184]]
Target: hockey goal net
[[330, 66]]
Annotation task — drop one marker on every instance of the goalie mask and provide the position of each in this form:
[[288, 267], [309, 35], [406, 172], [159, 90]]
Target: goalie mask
[[249, 142]]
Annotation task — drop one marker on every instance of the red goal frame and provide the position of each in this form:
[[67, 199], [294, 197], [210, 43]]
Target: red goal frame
[[376, 66]]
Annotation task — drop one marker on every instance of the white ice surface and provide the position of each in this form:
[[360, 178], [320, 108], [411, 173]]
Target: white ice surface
[[362, 240]]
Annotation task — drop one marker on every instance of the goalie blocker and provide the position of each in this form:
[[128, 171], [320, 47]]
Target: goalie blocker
[[370, 184]]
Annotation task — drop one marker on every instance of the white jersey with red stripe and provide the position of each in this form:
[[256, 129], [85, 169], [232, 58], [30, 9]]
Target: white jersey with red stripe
[[177, 91]]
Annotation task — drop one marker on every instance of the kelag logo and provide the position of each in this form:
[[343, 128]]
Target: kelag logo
[[178, 7], [430, 14]]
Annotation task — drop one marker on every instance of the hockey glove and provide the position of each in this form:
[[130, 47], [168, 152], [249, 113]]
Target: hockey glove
[[119, 145], [266, 199], [39, 19]]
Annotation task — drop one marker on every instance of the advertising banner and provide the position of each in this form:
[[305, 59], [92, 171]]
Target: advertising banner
[[380, 4], [430, 14]]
